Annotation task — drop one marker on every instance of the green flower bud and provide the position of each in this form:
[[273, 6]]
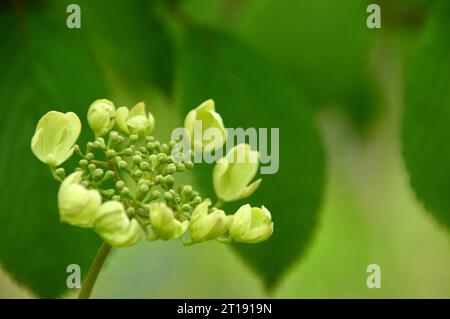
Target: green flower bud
[[83, 163], [233, 173], [120, 184], [122, 165], [98, 173], [171, 168], [55, 136], [115, 227], [251, 225], [77, 205], [187, 190], [111, 154], [144, 166], [135, 121], [138, 173], [128, 151], [204, 226], [164, 224], [90, 156], [137, 159], [197, 200], [205, 113], [100, 116]]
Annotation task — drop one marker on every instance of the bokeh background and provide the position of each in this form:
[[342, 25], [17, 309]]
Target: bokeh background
[[339, 92]]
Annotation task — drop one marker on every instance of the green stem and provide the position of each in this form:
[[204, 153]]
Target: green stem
[[94, 270], [219, 204]]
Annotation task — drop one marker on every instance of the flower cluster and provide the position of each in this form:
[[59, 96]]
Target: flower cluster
[[124, 186]]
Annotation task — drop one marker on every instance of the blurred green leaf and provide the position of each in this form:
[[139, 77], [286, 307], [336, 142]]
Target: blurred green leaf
[[323, 45], [130, 40], [426, 132], [250, 93], [43, 66]]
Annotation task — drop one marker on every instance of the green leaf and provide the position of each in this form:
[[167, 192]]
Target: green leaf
[[249, 92], [426, 121], [43, 66], [322, 45], [130, 41]]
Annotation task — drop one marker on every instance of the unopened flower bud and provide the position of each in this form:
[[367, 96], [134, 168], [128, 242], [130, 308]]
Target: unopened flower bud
[[164, 224], [115, 227], [206, 118], [77, 204], [101, 116], [205, 226], [233, 173], [251, 225], [111, 154]]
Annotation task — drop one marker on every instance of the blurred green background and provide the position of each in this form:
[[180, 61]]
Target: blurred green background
[[349, 102]]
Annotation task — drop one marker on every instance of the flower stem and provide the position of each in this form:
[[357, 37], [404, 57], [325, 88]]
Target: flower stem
[[94, 270]]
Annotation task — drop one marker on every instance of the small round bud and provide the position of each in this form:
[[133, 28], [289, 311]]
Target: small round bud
[[145, 166], [120, 184], [138, 173], [60, 172], [125, 191], [189, 165], [170, 159], [142, 150], [168, 196], [172, 143], [149, 138], [144, 188], [186, 191], [109, 174], [130, 211], [111, 154], [161, 157], [197, 200], [90, 145], [159, 179], [186, 207], [115, 137], [153, 158], [97, 145], [157, 144], [98, 173], [169, 180], [180, 167], [109, 192], [150, 146], [137, 159], [76, 149], [116, 198], [117, 159], [92, 167], [133, 138], [83, 163], [165, 148], [89, 156], [128, 151], [171, 168], [122, 165]]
